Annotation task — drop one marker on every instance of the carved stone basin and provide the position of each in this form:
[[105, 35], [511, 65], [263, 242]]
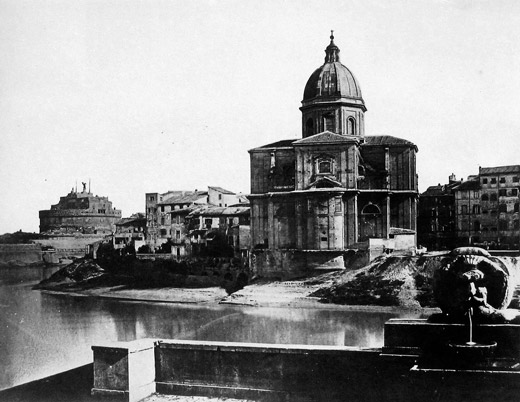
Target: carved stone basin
[[470, 353]]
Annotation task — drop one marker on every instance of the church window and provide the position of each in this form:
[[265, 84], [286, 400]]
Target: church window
[[351, 126], [328, 122], [370, 209], [325, 167], [310, 126]]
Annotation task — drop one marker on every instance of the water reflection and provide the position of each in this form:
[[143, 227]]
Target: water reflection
[[43, 334]]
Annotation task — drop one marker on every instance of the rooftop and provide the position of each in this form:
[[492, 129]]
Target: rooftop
[[221, 190], [376, 140], [499, 169], [326, 137], [186, 198]]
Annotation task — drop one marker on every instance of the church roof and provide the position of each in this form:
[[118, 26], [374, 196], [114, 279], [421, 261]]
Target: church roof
[[326, 137], [332, 80], [279, 144], [378, 140]]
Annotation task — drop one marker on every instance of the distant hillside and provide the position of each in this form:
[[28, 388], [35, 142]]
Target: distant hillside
[[19, 237]]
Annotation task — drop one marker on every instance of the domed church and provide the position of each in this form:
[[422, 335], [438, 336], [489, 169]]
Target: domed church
[[335, 197]]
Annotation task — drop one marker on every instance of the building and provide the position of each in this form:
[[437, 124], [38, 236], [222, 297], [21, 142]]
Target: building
[[80, 213], [436, 220], [219, 231], [485, 210], [165, 214], [130, 230], [158, 208], [221, 197], [335, 189], [488, 213]]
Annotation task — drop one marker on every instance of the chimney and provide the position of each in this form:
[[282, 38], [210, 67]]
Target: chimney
[[452, 178]]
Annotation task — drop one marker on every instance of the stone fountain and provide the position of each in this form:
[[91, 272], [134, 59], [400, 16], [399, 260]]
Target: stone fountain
[[476, 331]]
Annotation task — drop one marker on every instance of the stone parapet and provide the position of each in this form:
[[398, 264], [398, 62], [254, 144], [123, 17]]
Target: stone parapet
[[124, 371]]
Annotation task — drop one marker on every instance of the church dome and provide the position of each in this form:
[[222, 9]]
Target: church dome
[[332, 81]]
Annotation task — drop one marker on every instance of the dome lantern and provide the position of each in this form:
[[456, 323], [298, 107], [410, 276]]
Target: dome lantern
[[332, 51]]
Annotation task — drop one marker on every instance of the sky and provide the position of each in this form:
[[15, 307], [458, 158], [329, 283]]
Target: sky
[[151, 96]]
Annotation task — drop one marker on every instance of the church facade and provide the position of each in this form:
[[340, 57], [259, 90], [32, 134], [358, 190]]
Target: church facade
[[335, 191]]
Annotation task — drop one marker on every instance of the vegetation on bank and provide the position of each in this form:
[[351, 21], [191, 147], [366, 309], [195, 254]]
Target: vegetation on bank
[[19, 237], [111, 269]]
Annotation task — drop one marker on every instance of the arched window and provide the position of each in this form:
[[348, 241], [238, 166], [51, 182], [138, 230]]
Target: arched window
[[351, 126], [370, 209]]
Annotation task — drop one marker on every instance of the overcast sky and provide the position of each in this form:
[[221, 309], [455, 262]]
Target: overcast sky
[[150, 96]]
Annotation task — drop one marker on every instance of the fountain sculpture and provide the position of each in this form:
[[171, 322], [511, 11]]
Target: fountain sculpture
[[477, 286]]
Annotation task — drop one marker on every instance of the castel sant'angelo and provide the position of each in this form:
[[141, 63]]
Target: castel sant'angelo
[[80, 213], [335, 189]]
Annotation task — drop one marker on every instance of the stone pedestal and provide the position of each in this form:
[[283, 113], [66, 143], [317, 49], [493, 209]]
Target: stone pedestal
[[124, 371]]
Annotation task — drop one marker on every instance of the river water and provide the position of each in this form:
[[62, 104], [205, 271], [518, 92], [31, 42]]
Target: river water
[[44, 334]]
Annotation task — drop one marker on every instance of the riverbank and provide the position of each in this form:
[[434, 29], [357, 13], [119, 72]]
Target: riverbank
[[389, 284]]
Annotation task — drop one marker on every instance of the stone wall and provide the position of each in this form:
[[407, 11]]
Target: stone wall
[[69, 246], [291, 263], [265, 372], [20, 253]]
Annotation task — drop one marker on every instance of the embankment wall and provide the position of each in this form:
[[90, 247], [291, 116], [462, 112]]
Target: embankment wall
[[20, 253]]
